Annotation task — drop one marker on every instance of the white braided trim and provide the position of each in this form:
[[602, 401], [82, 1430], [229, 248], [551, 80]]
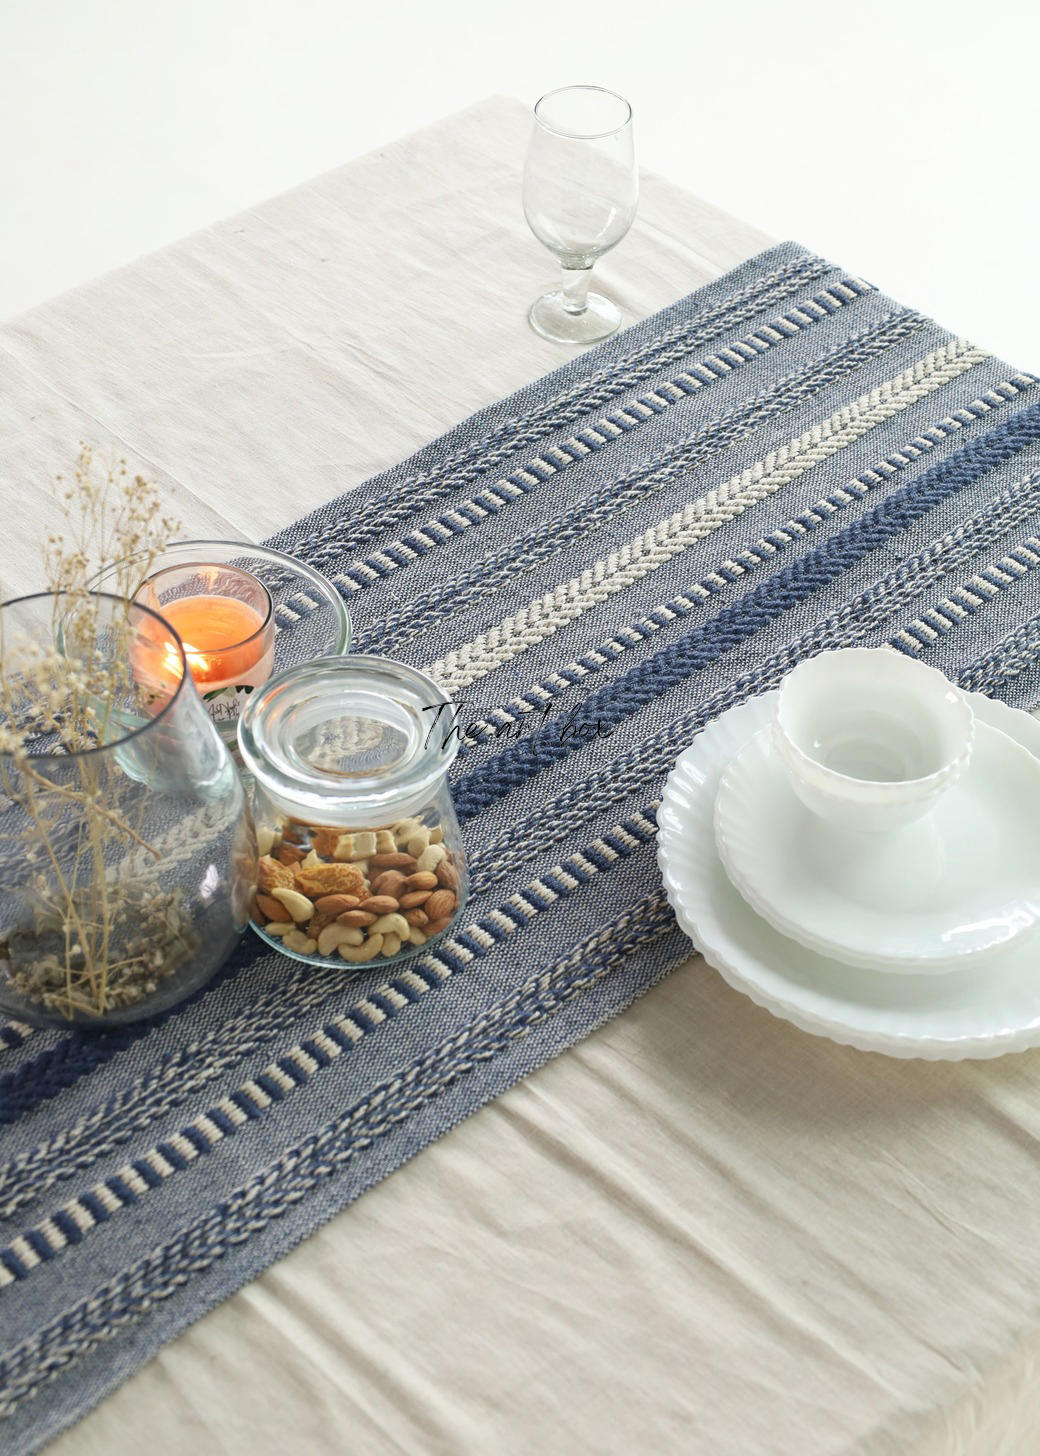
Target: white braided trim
[[652, 549]]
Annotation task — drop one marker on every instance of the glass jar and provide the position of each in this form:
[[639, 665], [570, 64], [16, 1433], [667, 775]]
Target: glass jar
[[127, 852], [361, 854]]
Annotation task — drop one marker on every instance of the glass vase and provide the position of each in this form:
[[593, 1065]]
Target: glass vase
[[127, 849]]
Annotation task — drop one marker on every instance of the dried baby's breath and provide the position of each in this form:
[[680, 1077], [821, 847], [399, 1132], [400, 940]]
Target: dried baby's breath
[[92, 940]]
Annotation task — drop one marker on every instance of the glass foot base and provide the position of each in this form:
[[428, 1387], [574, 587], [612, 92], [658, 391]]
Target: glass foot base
[[598, 320]]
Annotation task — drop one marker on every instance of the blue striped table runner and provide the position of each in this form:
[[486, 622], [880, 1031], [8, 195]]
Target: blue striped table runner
[[594, 568]]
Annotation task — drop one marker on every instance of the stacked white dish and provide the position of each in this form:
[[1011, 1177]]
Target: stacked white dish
[[859, 852]]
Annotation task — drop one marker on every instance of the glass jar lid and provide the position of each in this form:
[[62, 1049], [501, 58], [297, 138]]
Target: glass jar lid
[[348, 741]]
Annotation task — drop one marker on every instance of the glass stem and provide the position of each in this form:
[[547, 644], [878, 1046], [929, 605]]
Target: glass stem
[[576, 288]]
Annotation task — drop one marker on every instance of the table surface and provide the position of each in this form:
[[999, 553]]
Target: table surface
[[699, 1230]]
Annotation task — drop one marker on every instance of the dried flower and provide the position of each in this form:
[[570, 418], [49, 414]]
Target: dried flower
[[98, 938]]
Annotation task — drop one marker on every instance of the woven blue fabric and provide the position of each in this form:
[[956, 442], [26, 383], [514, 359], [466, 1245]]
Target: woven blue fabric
[[783, 461]]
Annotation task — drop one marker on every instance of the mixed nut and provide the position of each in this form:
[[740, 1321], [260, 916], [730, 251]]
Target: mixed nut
[[361, 894]]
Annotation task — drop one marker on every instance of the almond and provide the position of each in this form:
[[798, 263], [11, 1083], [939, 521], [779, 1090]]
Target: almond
[[380, 904], [448, 875], [413, 898], [325, 840], [335, 904], [436, 926], [288, 854], [418, 917], [357, 917], [390, 882], [271, 909], [423, 880], [396, 861], [440, 905]]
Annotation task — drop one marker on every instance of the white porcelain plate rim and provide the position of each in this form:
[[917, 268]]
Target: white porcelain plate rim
[[1001, 1011]]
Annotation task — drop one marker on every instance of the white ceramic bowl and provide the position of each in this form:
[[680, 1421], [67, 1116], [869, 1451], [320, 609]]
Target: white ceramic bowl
[[870, 737]]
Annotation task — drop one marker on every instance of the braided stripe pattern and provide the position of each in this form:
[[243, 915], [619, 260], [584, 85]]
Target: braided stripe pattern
[[857, 621], [386, 510], [646, 553], [762, 552], [172, 1082], [274, 1189], [1016, 653], [816, 569], [490, 501], [604, 503]]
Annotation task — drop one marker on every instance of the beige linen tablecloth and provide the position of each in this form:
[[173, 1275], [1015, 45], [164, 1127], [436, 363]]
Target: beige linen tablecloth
[[699, 1231]]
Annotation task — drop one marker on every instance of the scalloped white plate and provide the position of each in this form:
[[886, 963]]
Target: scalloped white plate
[[981, 1012], [960, 883]]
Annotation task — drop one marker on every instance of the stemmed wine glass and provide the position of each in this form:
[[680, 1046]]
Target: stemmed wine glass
[[580, 194]]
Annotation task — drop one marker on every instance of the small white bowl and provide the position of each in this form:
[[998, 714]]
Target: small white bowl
[[870, 737]]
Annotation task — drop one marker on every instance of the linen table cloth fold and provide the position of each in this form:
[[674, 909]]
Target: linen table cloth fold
[[897, 503]]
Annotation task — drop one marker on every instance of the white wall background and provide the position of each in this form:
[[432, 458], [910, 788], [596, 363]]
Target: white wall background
[[897, 138]]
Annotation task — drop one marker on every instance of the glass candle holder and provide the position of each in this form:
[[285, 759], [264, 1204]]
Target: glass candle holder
[[308, 617], [127, 851], [361, 854], [224, 617]]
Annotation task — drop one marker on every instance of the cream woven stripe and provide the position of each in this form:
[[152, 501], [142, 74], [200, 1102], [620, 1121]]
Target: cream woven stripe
[[653, 548]]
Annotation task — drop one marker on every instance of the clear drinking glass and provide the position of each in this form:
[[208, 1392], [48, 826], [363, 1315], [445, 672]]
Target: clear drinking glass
[[580, 193]]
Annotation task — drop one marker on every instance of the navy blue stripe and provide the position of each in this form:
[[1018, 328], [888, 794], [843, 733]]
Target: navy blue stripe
[[121, 1189], [199, 1141], [382, 1002], [39, 1245], [342, 1040], [404, 989], [292, 1070], [93, 1204], [524, 758], [13, 1264], [68, 1226], [145, 1171], [315, 1052], [245, 1104], [173, 1157], [270, 1086]]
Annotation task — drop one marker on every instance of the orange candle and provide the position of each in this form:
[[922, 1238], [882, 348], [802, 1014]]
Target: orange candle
[[225, 618], [224, 640]]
